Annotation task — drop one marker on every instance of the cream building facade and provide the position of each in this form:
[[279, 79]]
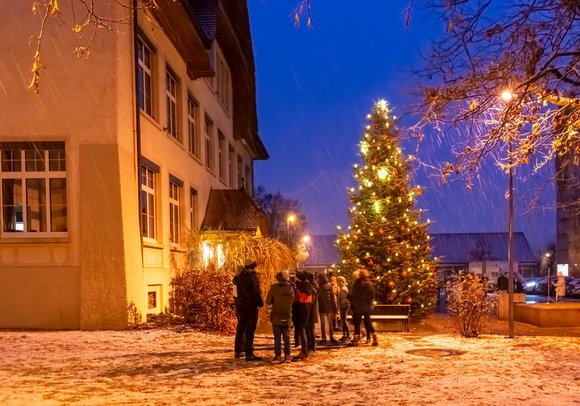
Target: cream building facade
[[107, 168]]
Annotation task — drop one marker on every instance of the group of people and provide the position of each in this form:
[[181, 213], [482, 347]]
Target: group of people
[[302, 299]]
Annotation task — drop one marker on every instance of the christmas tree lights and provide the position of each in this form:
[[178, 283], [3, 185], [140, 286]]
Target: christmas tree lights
[[387, 235]]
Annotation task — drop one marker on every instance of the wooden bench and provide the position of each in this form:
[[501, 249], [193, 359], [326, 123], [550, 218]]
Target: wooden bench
[[392, 312]]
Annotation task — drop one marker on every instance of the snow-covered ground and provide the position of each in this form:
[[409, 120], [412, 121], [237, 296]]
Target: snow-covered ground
[[181, 366]]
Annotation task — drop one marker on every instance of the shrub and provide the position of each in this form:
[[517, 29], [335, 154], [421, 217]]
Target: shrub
[[203, 297], [202, 293], [468, 304]]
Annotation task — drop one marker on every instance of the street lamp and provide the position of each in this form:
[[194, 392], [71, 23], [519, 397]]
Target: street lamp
[[506, 96], [549, 273], [290, 219]]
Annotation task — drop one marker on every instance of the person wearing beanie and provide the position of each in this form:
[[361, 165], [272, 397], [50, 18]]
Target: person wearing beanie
[[280, 297], [249, 301]]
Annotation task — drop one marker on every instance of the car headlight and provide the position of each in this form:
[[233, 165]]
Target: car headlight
[[531, 284]]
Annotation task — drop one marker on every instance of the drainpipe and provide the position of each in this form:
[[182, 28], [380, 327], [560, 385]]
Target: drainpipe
[[137, 120]]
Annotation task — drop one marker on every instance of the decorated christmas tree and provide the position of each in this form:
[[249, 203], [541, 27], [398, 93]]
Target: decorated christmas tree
[[387, 236]]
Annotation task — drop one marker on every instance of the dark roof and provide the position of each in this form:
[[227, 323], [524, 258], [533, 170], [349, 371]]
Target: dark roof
[[228, 21], [322, 250], [183, 31], [456, 248], [233, 210]]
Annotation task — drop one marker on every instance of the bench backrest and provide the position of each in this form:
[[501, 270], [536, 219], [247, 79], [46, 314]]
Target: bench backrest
[[393, 309]]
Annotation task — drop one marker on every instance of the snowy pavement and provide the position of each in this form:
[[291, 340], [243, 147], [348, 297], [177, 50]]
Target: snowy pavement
[[181, 366]]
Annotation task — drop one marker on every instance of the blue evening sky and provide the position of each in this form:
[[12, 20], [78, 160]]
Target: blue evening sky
[[315, 88]]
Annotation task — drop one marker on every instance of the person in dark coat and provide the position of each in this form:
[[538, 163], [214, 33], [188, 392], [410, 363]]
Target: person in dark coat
[[303, 293], [249, 303], [240, 333], [280, 297], [502, 282], [314, 316], [362, 298], [326, 308]]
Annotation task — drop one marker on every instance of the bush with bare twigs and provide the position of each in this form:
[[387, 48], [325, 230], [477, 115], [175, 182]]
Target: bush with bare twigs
[[468, 304]]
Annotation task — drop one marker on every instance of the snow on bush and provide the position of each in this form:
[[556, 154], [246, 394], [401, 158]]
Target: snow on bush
[[468, 304]]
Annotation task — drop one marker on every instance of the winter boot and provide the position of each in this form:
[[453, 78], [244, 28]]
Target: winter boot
[[355, 340], [375, 342], [368, 341]]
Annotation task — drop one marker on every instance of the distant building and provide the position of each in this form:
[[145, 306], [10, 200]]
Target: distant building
[[568, 215], [105, 171], [484, 253], [480, 252]]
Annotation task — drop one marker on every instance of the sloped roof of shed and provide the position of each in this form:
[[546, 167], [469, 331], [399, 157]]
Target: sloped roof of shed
[[233, 210]]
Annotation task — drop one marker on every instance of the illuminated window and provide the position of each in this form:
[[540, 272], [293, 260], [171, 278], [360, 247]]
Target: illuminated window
[[209, 144], [221, 156], [174, 210], [192, 126], [148, 201], [34, 189], [144, 74], [171, 99]]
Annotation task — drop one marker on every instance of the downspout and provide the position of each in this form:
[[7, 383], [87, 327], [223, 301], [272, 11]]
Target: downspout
[[137, 121]]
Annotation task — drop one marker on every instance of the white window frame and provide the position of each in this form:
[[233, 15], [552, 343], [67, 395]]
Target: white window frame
[[240, 167], [174, 213], [43, 159], [145, 70], [193, 126], [172, 107], [148, 205], [221, 156], [247, 178], [209, 147], [231, 156], [193, 208]]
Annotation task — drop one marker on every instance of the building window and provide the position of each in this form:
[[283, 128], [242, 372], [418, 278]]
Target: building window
[[231, 155], [171, 99], [247, 179], [221, 156], [240, 173], [174, 209], [34, 189], [209, 148], [144, 74], [192, 126], [193, 208], [223, 85], [148, 206]]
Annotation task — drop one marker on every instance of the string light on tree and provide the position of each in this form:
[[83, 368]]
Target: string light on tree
[[387, 235]]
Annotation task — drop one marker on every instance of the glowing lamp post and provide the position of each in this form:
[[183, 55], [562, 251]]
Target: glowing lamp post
[[290, 219], [507, 96]]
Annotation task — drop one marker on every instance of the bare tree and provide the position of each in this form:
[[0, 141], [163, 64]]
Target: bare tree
[[278, 209], [506, 74], [84, 19]]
